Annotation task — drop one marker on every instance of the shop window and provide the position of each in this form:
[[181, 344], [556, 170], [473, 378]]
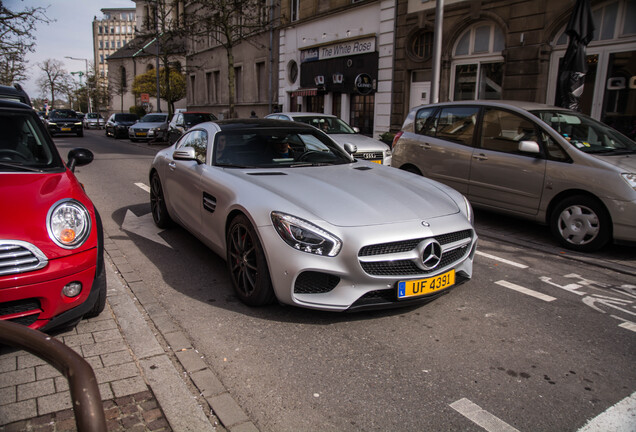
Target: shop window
[[477, 68], [362, 113]]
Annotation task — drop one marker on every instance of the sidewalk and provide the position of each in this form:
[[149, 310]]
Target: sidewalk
[[149, 375]]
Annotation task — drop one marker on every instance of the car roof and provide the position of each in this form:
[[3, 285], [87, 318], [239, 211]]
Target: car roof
[[239, 124], [528, 106], [15, 92], [303, 114]]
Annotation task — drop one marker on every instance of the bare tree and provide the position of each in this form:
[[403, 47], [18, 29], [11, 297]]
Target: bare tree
[[229, 23], [16, 39], [55, 79]]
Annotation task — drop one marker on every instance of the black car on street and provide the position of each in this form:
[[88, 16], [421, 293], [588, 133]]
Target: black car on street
[[65, 121]]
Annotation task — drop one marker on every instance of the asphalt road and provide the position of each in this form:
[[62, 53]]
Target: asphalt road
[[534, 342]]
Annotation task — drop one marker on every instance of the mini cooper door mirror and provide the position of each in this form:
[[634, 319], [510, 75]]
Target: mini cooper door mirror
[[79, 157]]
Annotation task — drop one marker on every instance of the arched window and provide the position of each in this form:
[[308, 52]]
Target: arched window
[[477, 66], [421, 45], [124, 81]]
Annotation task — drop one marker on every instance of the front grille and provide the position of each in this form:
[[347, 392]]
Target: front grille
[[310, 282], [20, 257], [455, 246], [28, 309]]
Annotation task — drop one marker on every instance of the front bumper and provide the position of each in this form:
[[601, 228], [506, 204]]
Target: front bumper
[[57, 129], [146, 135], [341, 283], [35, 298]]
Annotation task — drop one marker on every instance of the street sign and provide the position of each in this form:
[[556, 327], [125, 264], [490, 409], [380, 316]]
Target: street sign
[[145, 97]]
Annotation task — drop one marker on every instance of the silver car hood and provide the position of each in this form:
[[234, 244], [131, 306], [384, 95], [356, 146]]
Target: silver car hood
[[363, 143], [626, 163], [358, 194], [148, 125]]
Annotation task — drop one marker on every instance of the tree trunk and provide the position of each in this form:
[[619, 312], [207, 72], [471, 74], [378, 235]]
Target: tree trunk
[[231, 81]]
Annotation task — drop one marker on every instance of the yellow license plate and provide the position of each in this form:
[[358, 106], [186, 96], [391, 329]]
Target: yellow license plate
[[377, 161], [419, 287], [66, 129], [141, 134]]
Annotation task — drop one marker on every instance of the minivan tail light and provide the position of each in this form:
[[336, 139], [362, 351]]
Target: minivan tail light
[[396, 138]]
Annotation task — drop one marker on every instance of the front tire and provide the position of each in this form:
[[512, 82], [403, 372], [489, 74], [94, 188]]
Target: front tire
[[247, 264], [158, 204], [581, 223]]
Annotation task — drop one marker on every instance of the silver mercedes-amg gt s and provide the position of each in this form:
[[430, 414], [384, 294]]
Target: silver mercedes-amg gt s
[[301, 221]]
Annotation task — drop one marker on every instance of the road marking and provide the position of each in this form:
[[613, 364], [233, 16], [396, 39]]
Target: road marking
[[625, 324], [143, 186], [526, 291], [476, 414], [618, 418], [503, 260]]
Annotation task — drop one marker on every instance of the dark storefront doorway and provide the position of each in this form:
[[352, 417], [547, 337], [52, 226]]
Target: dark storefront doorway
[[362, 113]]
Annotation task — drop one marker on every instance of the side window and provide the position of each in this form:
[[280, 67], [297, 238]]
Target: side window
[[197, 139], [554, 150], [457, 124], [423, 117], [503, 130]]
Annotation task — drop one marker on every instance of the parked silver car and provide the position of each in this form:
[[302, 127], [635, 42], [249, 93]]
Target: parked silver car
[[151, 127], [298, 219], [543, 163], [366, 148], [93, 121]]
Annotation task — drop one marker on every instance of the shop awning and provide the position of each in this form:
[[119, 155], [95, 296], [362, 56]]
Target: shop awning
[[305, 92]]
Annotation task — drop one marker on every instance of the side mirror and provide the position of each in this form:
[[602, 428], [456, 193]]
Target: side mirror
[[79, 157], [356, 129], [350, 148], [529, 147], [185, 154]]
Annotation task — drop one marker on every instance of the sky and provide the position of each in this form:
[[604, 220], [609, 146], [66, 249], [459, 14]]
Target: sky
[[70, 33]]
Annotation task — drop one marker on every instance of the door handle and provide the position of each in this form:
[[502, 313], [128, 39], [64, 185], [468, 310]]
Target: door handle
[[172, 166], [480, 157], [425, 146]]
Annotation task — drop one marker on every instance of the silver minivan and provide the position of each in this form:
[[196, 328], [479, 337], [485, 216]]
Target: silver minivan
[[539, 162]]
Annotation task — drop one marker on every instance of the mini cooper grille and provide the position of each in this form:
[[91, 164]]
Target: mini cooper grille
[[20, 257], [31, 307], [315, 283], [408, 267]]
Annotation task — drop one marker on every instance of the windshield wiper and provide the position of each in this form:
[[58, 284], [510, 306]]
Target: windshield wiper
[[613, 151], [20, 167]]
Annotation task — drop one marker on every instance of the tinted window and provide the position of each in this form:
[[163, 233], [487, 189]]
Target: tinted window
[[503, 130], [330, 125], [423, 117], [125, 117], [455, 124]]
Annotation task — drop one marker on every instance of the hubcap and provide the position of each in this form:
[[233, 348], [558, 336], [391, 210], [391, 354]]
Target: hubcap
[[578, 225]]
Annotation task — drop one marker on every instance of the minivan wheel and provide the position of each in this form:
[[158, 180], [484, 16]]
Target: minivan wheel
[[581, 223]]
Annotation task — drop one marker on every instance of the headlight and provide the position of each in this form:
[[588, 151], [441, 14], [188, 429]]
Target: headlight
[[68, 224], [630, 178], [53, 124], [469, 211], [78, 124], [305, 236]]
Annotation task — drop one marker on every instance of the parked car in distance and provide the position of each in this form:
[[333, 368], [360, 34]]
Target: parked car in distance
[[94, 121], [51, 239], [366, 148], [300, 220], [151, 127], [547, 164], [184, 120], [117, 124], [64, 121]]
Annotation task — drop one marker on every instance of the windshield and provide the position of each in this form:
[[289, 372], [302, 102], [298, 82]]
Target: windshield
[[192, 119], [70, 114], [125, 117], [154, 118], [93, 116], [587, 134], [276, 148], [330, 125], [23, 146]]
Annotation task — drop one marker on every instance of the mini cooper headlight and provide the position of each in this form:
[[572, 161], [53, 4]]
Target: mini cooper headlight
[[305, 236], [68, 223]]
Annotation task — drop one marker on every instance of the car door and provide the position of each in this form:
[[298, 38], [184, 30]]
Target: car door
[[182, 183], [442, 144], [501, 175]]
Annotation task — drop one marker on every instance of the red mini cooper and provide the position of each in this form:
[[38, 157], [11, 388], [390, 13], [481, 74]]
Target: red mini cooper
[[51, 239]]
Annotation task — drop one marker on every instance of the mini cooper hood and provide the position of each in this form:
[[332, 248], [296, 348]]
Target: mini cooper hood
[[27, 198], [354, 195], [363, 143]]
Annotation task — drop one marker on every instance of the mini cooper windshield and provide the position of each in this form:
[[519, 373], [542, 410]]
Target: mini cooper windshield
[[276, 148], [23, 146]]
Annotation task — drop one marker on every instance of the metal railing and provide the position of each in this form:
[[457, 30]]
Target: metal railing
[[87, 402]]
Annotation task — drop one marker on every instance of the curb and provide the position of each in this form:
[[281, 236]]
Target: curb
[[173, 355]]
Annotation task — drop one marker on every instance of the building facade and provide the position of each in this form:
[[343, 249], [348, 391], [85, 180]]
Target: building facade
[[336, 57], [512, 50], [114, 30]]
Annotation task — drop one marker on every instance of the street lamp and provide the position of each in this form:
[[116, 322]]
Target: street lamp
[[88, 96]]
